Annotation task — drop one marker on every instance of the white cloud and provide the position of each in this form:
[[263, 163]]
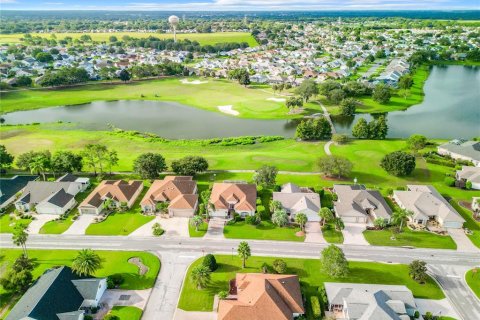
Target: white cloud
[[7, 1]]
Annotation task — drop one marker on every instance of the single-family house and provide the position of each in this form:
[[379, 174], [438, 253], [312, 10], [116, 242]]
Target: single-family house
[[84, 182], [10, 187], [356, 204], [471, 174], [119, 192], [295, 199], [229, 197], [462, 150], [257, 296], [355, 301], [48, 197], [180, 193], [59, 294], [427, 204]]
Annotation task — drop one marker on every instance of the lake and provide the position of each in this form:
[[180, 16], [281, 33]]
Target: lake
[[451, 109], [167, 119]]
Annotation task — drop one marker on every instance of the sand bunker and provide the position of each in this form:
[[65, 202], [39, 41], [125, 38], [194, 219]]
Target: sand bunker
[[186, 81], [142, 269], [277, 99], [228, 110]]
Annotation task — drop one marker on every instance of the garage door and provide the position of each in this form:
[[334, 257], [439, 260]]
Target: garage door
[[453, 225], [182, 213], [350, 219]]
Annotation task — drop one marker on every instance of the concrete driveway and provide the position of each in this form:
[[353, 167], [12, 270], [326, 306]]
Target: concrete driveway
[[353, 234], [215, 228], [131, 298], [81, 224], [314, 233], [174, 227], [463, 242], [441, 307], [40, 219]]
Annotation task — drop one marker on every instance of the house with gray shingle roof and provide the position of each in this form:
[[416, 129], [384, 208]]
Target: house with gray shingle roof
[[356, 301], [59, 294], [48, 197], [356, 204], [462, 150], [295, 199], [9, 187], [427, 204], [471, 174]]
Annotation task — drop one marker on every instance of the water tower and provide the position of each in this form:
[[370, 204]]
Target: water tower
[[173, 20]]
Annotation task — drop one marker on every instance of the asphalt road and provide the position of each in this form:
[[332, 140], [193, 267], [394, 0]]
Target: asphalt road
[[446, 265]]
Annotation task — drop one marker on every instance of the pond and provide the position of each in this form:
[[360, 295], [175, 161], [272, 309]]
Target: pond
[[451, 108], [167, 119]]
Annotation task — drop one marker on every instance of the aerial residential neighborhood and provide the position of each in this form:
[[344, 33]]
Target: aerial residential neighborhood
[[240, 160]]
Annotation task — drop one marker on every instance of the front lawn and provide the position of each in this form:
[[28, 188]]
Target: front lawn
[[58, 226], [7, 223], [126, 313], [470, 223], [473, 281], [266, 230], [331, 235], [113, 262], [311, 277], [419, 239], [202, 229]]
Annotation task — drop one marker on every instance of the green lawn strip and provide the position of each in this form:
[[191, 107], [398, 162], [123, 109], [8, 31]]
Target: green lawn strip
[[7, 223], [127, 313], [266, 230], [202, 38], [250, 102], [310, 274], [470, 223], [113, 262], [473, 281], [331, 235], [419, 239], [58, 226], [202, 229], [285, 154], [121, 223]]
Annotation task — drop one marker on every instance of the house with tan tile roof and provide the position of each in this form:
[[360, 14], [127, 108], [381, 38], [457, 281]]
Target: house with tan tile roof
[[229, 197], [119, 191], [180, 192], [257, 296]]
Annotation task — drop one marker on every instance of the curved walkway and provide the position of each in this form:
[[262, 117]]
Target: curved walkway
[[326, 148]]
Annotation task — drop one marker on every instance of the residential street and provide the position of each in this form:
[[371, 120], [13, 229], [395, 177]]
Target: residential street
[[177, 253]]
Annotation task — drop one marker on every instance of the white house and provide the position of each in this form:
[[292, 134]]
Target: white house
[[471, 174], [295, 200], [462, 150]]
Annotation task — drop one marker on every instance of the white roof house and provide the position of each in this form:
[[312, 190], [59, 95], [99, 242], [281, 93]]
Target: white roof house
[[427, 204], [295, 199], [471, 174]]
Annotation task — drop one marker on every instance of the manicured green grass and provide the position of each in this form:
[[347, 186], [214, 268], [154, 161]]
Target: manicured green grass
[[113, 262], [470, 223], [266, 230], [473, 281], [127, 313], [419, 239], [202, 229], [311, 277], [121, 223], [202, 38], [250, 102], [57, 226], [286, 154], [7, 223], [331, 235]]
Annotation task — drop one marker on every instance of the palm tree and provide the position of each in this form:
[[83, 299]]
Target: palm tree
[[301, 219], [196, 221], [339, 225], [401, 215], [20, 237], [326, 215], [200, 276], [86, 263], [37, 165], [244, 252]]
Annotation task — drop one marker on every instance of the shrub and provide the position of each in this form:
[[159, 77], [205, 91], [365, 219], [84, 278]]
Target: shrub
[[416, 315], [87, 317], [340, 138], [222, 295], [468, 185], [157, 230], [315, 304], [253, 220], [210, 262], [114, 280], [279, 266], [398, 163], [262, 212], [449, 181], [259, 201], [323, 295], [111, 317]]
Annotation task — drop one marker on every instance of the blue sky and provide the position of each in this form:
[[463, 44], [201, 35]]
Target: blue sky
[[226, 5]]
